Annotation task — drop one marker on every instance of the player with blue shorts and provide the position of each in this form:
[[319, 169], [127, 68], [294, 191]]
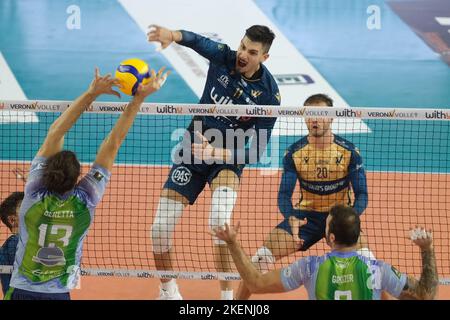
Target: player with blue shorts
[[234, 77], [343, 273], [56, 211], [328, 168], [9, 214]]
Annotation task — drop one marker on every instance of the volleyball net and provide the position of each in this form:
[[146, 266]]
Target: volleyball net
[[405, 154]]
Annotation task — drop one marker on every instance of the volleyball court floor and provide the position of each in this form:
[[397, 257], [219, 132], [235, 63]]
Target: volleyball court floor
[[119, 237]]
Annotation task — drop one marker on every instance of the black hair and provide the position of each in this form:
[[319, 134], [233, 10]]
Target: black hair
[[317, 98], [345, 225], [9, 207], [262, 34], [61, 172]]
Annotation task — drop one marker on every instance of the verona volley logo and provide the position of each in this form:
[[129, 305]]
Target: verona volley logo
[[181, 176]]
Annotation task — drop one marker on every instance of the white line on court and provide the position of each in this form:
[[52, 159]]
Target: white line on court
[[11, 90]]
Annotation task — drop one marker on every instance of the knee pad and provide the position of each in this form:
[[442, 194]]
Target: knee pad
[[222, 204], [167, 216], [365, 252], [263, 259]]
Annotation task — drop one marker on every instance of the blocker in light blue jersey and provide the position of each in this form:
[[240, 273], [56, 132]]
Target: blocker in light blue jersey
[[52, 229], [343, 276]]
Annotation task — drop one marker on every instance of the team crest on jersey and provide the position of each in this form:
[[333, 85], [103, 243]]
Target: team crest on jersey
[[238, 93], [220, 46], [98, 176], [50, 256], [223, 80], [305, 160], [181, 176], [278, 96], [341, 264], [255, 93]]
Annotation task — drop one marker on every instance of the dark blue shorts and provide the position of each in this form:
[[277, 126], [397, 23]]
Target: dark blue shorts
[[19, 294], [312, 232], [189, 180]]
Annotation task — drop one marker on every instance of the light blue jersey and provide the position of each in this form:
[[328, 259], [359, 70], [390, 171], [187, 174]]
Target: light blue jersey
[[343, 276], [52, 228]]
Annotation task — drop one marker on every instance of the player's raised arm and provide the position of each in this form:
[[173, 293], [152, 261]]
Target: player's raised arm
[[255, 281], [163, 35], [209, 49], [54, 141], [426, 287], [110, 146]]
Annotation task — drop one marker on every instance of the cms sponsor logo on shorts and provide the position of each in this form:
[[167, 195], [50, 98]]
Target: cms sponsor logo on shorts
[[181, 176]]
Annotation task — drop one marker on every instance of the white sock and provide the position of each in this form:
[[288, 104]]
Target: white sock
[[222, 203], [169, 286], [226, 295]]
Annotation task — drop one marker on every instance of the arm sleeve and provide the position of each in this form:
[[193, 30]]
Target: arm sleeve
[[294, 275], [34, 181], [287, 186], [392, 280], [359, 182], [213, 51], [93, 185]]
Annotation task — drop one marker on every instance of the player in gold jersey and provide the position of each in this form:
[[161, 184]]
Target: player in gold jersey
[[328, 168]]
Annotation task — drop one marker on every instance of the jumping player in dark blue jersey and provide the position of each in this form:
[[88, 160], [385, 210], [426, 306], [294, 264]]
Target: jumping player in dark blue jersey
[[234, 77]]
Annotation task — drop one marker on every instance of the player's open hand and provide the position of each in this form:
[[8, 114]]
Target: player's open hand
[[296, 224], [226, 233], [161, 35], [103, 84], [422, 238], [202, 149], [155, 83]]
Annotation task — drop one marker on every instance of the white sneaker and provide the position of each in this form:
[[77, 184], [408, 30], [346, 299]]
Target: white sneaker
[[169, 295]]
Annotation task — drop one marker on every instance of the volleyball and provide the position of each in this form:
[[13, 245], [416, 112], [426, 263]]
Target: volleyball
[[131, 73]]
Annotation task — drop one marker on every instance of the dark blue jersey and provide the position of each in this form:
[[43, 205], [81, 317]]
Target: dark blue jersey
[[226, 86], [7, 254]]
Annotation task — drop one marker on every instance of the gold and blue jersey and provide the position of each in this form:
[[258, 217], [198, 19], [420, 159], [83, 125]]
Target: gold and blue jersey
[[326, 177]]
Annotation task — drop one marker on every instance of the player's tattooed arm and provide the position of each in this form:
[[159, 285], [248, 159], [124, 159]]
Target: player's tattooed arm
[[426, 287]]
